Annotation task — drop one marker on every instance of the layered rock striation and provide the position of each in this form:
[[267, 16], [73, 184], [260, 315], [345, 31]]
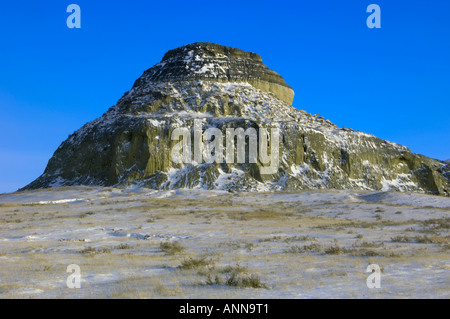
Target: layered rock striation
[[207, 85]]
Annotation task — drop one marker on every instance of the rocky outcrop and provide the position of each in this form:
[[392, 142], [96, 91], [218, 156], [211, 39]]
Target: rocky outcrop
[[217, 63], [209, 86]]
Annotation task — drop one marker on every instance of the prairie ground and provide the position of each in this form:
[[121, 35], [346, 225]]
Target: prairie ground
[[141, 243]]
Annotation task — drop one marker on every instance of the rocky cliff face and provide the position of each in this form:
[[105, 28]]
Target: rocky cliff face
[[209, 86]]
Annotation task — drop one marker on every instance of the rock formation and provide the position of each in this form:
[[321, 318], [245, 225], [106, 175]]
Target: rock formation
[[212, 86]]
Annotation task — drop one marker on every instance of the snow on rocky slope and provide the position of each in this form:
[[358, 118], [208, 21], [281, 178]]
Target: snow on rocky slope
[[207, 86]]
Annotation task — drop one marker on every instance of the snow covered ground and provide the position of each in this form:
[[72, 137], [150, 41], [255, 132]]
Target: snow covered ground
[[142, 243]]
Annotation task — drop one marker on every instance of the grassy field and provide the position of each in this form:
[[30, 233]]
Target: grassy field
[[140, 243]]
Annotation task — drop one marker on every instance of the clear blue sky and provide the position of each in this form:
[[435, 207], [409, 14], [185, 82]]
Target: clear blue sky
[[392, 82]]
